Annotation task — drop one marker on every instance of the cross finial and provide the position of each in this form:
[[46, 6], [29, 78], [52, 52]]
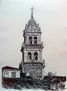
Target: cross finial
[[32, 12]]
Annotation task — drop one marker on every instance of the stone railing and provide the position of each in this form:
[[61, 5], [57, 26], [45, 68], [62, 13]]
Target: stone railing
[[33, 45]]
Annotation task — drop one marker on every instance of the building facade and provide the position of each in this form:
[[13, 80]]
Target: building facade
[[10, 72], [32, 62], [10, 76]]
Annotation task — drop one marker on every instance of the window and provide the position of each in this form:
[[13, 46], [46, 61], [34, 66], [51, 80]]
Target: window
[[35, 56], [35, 40], [6, 74], [30, 40], [29, 56], [13, 75]]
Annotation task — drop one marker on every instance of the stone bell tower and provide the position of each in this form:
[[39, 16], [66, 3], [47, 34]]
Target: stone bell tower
[[32, 46]]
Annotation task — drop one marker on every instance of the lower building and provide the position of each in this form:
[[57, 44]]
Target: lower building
[[9, 76]]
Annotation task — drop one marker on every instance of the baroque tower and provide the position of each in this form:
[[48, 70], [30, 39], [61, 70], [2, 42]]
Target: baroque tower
[[32, 46]]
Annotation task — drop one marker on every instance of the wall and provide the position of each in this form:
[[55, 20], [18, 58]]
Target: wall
[[35, 70], [10, 71], [38, 35], [32, 50]]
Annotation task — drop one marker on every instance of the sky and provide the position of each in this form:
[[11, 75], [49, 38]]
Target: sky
[[52, 18]]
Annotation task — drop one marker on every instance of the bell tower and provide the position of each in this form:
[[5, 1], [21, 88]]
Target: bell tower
[[32, 46]]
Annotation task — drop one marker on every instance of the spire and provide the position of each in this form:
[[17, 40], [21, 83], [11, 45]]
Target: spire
[[32, 12]]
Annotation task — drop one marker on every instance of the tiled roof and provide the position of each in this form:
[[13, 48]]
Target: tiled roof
[[11, 68]]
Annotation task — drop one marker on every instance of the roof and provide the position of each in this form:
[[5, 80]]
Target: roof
[[32, 26], [10, 68], [56, 78]]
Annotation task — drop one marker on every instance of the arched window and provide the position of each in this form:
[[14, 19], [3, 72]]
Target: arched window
[[35, 40], [30, 40], [29, 56], [35, 56]]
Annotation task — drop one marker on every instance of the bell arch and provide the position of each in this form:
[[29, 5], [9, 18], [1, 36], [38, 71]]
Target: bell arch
[[30, 40], [29, 55], [35, 40], [35, 56]]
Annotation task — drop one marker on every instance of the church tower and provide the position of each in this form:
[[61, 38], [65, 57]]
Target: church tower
[[32, 62]]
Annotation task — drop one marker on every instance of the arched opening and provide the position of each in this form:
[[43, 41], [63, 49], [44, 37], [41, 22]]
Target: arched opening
[[35, 56], [29, 56], [35, 40], [30, 40]]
